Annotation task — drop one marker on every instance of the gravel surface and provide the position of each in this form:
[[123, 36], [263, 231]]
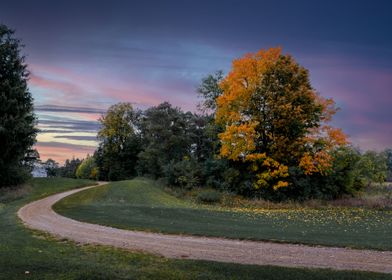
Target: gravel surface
[[39, 215]]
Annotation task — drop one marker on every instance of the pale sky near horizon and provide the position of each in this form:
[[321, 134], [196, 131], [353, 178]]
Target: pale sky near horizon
[[87, 55]]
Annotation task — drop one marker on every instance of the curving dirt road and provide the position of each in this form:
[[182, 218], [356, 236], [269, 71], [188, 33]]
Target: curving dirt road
[[40, 216]]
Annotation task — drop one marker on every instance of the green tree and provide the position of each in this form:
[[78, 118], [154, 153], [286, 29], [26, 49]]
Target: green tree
[[165, 137], [87, 169], [69, 168], [372, 167], [120, 142], [51, 167], [388, 154], [17, 120], [210, 90]]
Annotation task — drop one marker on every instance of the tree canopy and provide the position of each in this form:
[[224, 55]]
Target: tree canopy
[[119, 145]]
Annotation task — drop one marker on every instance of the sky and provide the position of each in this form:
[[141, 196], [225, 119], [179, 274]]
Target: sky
[[87, 55]]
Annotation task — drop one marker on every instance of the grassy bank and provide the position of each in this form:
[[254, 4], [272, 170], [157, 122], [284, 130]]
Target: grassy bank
[[140, 204], [26, 254]]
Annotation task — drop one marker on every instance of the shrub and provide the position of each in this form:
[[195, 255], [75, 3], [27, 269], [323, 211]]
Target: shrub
[[87, 169], [184, 174], [209, 196]]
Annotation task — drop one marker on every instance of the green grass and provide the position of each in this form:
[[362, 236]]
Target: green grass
[[24, 250], [140, 204]]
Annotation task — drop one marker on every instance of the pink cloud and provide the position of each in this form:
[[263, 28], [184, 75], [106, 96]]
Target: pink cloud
[[60, 154], [77, 90]]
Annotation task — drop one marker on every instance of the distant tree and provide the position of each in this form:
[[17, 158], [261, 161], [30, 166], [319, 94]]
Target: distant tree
[[17, 120], [51, 167], [388, 154], [69, 168], [372, 167], [119, 136], [210, 90], [273, 119], [87, 169], [203, 135]]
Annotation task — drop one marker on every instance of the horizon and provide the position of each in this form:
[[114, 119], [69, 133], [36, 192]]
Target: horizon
[[84, 57]]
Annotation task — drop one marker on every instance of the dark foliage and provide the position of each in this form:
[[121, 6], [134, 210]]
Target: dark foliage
[[69, 168], [17, 120]]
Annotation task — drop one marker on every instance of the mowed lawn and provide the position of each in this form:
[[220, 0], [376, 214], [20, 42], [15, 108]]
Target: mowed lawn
[[27, 254], [142, 205]]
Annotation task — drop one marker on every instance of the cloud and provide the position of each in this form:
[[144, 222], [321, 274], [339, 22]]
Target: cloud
[[59, 108], [77, 137], [64, 145], [62, 151], [70, 125]]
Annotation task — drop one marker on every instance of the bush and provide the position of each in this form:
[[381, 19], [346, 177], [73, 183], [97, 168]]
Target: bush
[[184, 174], [14, 175], [209, 196], [87, 169]]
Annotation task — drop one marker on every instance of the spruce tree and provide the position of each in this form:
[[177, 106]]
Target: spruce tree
[[17, 119]]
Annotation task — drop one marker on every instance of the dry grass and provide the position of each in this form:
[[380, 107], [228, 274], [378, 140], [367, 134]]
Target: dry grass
[[14, 193], [371, 202], [376, 196]]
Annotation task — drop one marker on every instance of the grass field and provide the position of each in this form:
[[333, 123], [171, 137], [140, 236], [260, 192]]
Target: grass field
[[140, 204], [26, 254]]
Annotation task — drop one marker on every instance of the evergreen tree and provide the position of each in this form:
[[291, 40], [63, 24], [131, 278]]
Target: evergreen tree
[[17, 120]]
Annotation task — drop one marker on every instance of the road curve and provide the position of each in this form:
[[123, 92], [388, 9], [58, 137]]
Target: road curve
[[39, 215]]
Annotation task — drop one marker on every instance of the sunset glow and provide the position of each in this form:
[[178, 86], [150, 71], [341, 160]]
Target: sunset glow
[[85, 57]]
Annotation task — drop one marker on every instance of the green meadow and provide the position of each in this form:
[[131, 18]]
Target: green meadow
[[27, 254], [141, 204]]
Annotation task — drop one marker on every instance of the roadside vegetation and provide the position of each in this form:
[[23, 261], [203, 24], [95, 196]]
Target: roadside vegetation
[[142, 204], [26, 254]]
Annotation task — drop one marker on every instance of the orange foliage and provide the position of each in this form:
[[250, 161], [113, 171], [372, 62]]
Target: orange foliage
[[258, 109], [241, 83]]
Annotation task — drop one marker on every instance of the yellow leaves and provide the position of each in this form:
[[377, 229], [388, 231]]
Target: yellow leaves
[[238, 140], [280, 184], [267, 171]]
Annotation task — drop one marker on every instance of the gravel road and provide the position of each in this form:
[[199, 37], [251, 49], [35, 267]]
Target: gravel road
[[39, 215]]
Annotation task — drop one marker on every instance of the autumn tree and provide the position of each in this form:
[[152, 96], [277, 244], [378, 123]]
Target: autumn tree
[[17, 120], [274, 119]]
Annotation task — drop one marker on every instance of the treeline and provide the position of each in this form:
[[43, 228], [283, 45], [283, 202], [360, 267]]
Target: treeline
[[262, 131], [181, 150]]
